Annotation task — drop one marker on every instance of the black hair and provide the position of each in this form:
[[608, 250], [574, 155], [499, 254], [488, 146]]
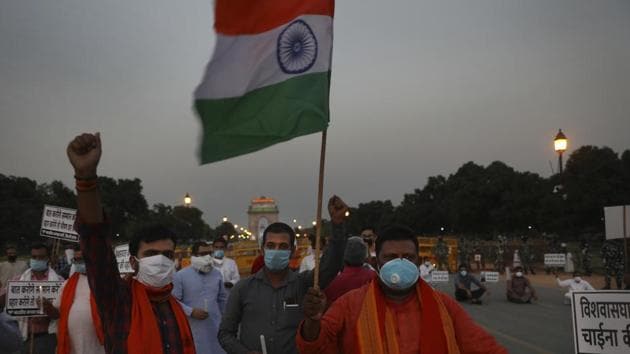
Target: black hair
[[516, 269], [76, 247], [220, 240], [462, 266], [279, 228], [148, 234], [371, 228], [395, 233], [40, 245], [196, 245]]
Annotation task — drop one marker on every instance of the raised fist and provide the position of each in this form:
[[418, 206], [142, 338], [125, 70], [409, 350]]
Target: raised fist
[[337, 209], [84, 153]]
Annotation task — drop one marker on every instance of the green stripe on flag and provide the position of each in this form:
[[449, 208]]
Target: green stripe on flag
[[263, 117]]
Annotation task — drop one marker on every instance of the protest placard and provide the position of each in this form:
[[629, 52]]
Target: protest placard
[[439, 276], [23, 296], [122, 257], [58, 222], [601, 321], [555, 259], [616, 221], [490, 277]]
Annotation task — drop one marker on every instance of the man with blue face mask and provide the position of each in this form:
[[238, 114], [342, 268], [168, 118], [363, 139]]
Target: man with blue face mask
[[269, 303], [227, 266], [42, 329], [396, 313]]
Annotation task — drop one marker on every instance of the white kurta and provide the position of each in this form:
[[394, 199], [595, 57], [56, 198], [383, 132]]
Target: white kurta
[[573, 286], [308, 263], [228, 269], [81, 330]]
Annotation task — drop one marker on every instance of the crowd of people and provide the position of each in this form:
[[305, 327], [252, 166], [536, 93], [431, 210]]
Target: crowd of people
[[372, 293]]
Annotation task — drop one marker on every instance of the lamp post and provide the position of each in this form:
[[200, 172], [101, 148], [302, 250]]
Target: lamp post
[[560, 145], [187, 200]]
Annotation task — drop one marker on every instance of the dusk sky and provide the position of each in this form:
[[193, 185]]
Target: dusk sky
[[418, 89]]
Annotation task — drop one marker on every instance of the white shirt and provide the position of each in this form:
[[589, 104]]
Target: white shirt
[[308, 263], [574, 285], [425, 272], [81, 330], [228, 269]]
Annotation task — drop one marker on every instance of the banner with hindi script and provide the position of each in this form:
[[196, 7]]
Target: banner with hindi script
[[122, 257], [601, 321], [555, 259], [24, 298], [439, 276], [490, 277], [58, 222]]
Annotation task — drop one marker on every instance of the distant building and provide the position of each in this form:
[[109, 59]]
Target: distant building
[[262, 212]]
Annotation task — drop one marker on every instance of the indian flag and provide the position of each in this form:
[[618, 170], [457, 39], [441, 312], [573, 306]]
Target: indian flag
[[269, 77]]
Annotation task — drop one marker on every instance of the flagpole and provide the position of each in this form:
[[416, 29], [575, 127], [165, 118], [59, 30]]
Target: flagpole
[[318, 227]]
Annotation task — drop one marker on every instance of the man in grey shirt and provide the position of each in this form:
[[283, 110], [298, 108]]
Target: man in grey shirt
[[269, 303], [463, 282]]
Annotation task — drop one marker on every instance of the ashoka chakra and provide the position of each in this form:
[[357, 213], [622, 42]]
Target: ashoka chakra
[[297, 48]]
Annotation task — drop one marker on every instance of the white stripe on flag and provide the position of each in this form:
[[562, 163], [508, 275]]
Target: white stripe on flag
[[244, 63]]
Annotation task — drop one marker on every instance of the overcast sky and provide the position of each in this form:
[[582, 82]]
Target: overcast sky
[[418, 89]]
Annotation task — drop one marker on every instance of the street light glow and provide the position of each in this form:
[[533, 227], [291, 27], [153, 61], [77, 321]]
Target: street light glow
[[187, 200], [225, 219], [560, 142]]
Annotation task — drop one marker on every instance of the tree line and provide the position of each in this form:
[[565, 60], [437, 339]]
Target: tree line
[[475, 200]]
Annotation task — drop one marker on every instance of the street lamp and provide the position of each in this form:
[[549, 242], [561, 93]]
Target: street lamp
[[560, 145], [187, 200], [225, 219]]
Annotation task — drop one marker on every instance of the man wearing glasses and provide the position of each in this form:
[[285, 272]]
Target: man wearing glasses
[[267, 306]]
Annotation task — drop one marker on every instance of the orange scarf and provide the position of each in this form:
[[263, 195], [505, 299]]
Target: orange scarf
[[144, 324], [376, 327], [67, 299]]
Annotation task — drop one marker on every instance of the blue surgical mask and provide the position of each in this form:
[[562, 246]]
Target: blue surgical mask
[[276, 260], [399, 274], [219, 254], [39, 265]]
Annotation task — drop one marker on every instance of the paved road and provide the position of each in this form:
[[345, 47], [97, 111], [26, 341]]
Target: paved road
[[542, 327]]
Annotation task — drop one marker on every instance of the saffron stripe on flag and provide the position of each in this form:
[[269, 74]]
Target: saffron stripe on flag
[[244, 63], [263, 117], [234, 17]]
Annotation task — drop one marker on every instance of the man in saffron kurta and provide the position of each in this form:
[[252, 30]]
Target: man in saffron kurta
[[139, 315], [398, 313]]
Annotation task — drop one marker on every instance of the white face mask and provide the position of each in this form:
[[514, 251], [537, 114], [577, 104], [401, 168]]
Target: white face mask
[[202, 264], [427, 263], [463, 273], [577, 279], [519, 274], [155, 271]]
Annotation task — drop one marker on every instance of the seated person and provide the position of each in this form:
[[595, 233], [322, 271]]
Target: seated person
[[463, 282], [574, 284], [519, 289]]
